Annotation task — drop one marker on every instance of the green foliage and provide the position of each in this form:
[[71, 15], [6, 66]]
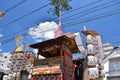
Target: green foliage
[[56, 6]]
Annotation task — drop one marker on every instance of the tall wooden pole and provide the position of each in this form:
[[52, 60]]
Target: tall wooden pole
[[60, 15]]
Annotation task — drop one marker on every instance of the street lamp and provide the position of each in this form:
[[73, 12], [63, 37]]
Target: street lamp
[[2, 14]]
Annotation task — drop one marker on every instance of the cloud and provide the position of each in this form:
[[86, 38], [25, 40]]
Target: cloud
[[1, 35], [0, 49], [36, 51], [44, 30]]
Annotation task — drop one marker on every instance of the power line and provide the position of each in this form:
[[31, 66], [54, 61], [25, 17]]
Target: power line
[[26, 28], [109, 36], [25, 15], [39, 9], [23, 34], [89, 4], [67, 12], [103, 15], [88, 10], [15, 5], [84, 20], [79, 8], [92, 11]]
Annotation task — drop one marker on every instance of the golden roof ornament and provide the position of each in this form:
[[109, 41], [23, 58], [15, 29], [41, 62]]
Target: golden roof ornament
[[18, 43], [2, 14]]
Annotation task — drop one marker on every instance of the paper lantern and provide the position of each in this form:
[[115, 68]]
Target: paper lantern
[[96, 72], [91, 61], [96, 59], [90, 49], [91, 74], [89, 39], [96, 49], [95, 41], [29, 77], [5, 77]]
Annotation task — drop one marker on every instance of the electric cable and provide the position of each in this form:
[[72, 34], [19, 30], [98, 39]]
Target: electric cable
[[21, 2], [96, 18], [103, 15], [85, 20], [26, 15], [92, 11], [89, 4], [92, 18], [89, 10]]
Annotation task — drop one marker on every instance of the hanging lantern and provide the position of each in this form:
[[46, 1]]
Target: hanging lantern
[[96, 72], [90, 49], [95, 41], [96, 49], [91, 61], [96, 60], [89, 39], [91, 73]]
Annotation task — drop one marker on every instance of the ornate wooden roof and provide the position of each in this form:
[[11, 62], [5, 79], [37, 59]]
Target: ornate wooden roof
[[90, 32], [67, 39]]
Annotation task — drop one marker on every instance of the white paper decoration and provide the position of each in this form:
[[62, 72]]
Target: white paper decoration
[[96, 72], [89, 39], [95, 41], [90, 49], [91, 74], [29, 76], [5, 77], [96, 49], [96, 59], [91, 60]]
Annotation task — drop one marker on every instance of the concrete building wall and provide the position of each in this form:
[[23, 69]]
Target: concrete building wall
[[5, 62], [107, 48], [114, 66], [106, 69]]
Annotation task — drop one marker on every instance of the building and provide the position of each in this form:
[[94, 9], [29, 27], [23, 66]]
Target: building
[[95, 55], [107, 48], [112, 65], [57, 64], [12, 63], [5, 62]]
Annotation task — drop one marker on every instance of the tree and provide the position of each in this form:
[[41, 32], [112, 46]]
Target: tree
[[59, 5]]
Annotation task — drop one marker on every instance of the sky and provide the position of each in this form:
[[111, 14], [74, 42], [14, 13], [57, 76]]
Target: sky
[[31, 19]]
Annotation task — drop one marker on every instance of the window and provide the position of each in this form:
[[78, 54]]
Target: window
[[5, 56]]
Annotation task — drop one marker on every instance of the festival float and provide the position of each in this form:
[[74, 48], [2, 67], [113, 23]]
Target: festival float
[[14, 63], [94, 55], [57, 64]]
